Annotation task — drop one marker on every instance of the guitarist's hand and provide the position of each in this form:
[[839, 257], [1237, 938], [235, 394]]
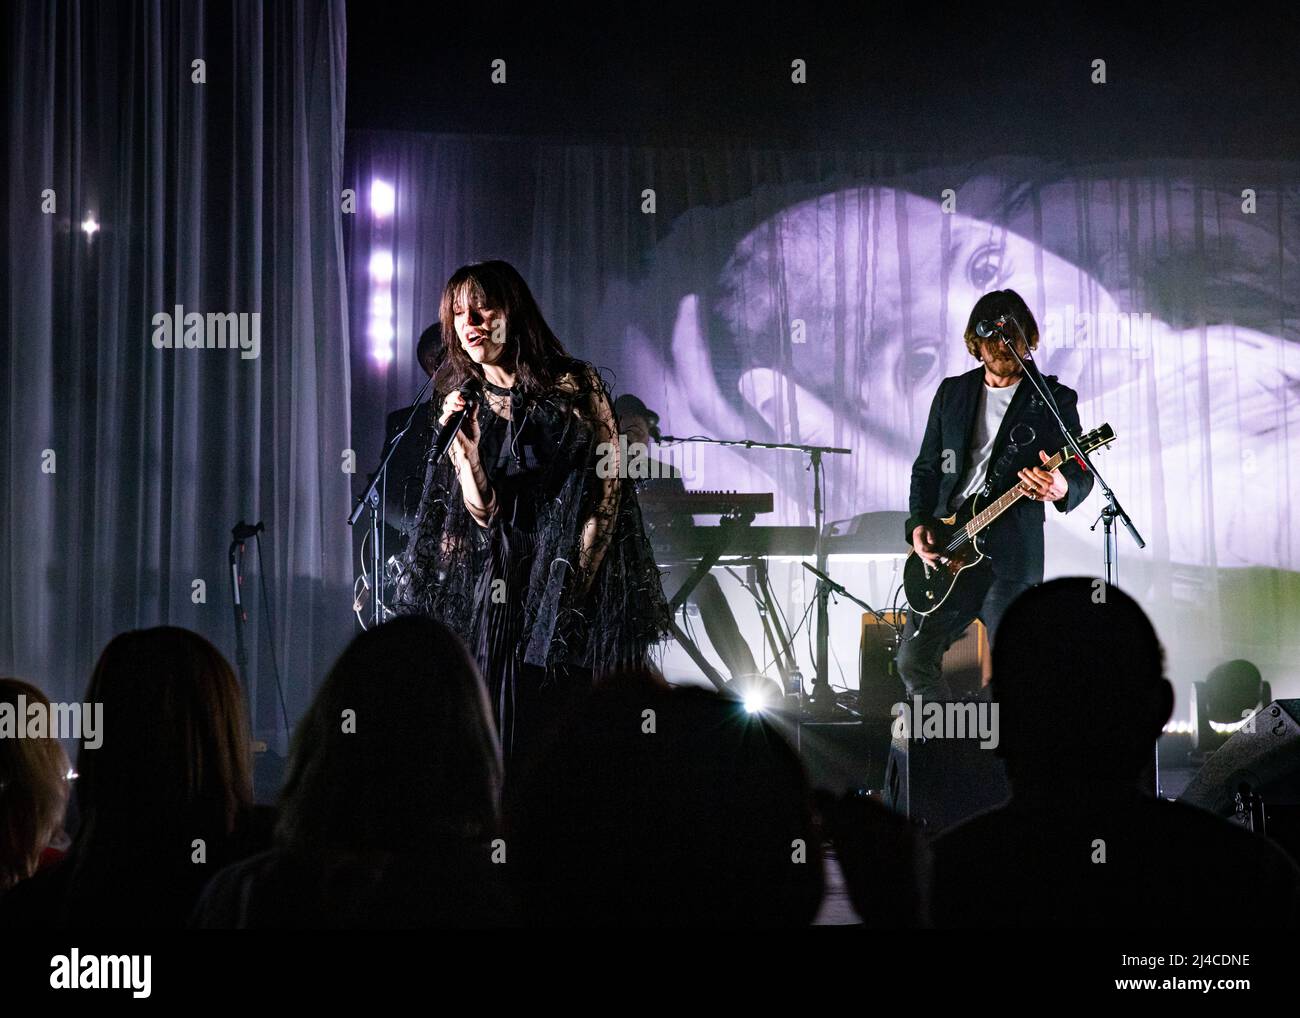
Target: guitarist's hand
[[1042, 485], [923, 541]]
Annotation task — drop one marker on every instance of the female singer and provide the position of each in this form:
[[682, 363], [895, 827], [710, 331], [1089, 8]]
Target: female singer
[[528, 542]]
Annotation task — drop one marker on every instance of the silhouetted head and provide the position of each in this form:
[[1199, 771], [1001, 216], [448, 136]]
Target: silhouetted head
[[1078, 675], [429, 351], [636, 420], [174, 759], [667, 807], [33, 790], [397, 749]]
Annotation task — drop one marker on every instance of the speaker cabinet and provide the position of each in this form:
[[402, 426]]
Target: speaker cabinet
[[939, 782], [966, 664], [1263, 755]]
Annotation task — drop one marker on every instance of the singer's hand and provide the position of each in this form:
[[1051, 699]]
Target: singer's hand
[[464, 447]]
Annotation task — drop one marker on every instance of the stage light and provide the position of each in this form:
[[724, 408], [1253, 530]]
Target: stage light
[[1229, 696], [381, 266], [756, 692], [383, 199], [90, 226], [381, 340]]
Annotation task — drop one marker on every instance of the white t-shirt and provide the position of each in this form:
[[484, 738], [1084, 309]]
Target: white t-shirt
[[993, 407]]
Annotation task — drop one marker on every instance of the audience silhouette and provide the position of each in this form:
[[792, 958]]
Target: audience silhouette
[[666, 807], [1078, 676], [645, 806], [33, 791], [163, 802], [391, 805]]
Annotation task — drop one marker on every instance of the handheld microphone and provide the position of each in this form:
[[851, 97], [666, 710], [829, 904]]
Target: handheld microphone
[[993, 327], [471, 390]]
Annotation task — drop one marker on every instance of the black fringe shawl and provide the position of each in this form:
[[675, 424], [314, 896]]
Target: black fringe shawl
[[623, 615]]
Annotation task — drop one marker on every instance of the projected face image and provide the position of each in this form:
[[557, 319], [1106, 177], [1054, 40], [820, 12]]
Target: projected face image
[[846, 311]]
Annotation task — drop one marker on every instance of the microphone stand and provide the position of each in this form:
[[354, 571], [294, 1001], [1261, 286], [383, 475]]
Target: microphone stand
[[371, 498], [822, 697], [1112, 510], [240, 533]]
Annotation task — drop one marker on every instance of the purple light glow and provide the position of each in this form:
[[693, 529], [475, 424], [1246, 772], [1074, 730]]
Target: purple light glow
[[383, 199], [381, 266]]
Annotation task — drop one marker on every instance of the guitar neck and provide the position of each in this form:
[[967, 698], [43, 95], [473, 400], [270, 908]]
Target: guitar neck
[[1004, 502]]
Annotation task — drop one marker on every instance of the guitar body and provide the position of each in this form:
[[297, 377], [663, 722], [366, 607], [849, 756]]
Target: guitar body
[[927, 587]]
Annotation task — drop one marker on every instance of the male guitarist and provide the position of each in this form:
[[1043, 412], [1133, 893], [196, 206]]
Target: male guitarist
[[988, 430]]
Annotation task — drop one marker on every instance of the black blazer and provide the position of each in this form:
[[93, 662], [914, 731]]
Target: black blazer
[[1015, 542]]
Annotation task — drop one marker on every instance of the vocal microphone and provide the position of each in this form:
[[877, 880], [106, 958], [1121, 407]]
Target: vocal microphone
[[471, 390], [995, 327]]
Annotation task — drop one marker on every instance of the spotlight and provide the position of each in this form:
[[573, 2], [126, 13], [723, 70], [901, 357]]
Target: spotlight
[[757, 693], [90, 226], [383, 199], [1225, 701]]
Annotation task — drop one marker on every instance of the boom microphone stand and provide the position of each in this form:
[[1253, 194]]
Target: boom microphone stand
[[1112, 509]]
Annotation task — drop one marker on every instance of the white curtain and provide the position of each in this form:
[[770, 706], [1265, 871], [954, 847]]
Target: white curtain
[[205, 143]]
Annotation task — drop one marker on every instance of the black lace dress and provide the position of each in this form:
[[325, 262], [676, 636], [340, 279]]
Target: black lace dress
[[518, 591]]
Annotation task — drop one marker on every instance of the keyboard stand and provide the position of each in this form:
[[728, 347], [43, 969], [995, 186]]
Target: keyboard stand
[[729, 527]]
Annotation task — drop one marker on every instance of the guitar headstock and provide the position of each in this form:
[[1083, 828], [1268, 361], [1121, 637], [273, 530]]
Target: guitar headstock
[[1097, 438]]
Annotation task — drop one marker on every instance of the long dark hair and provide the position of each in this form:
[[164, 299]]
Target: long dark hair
[[397, 749], [175, 760], [539, 357]]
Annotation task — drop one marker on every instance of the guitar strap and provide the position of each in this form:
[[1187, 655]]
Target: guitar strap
[[1012, 448]]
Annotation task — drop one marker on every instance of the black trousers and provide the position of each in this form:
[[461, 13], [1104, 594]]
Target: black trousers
[[979, 593]]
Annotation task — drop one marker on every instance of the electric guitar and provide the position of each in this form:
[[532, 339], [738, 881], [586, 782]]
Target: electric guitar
[[959, 536]]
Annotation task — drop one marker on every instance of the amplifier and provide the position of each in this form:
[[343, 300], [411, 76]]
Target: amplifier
[[967, 665]]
